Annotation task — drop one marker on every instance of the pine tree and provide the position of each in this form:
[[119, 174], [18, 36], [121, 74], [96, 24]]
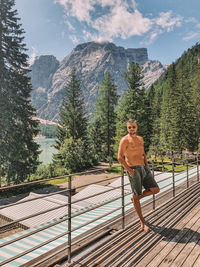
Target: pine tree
[[18, 151], [171, 135], [155, 103], [97, 138], [187, 113], [134, 104], [105, 116], [73, 120], [74, 151], [195, 131]]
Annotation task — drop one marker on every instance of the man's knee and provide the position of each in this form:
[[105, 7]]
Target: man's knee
[[135, 198], [155, 190]]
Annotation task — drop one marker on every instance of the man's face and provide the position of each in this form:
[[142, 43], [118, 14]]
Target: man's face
[[132, 128]]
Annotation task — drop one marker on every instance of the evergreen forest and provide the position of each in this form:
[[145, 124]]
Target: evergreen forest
[[175, 105]]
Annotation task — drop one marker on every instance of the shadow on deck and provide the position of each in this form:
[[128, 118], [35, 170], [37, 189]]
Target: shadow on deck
[[174, 239]]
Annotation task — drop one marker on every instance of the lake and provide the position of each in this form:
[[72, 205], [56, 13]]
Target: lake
[[46, 146]]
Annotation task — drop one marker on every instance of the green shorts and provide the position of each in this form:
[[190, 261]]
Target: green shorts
[[142, 177]]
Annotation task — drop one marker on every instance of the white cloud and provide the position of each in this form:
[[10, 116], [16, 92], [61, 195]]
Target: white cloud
[[195, 33], [152, 36], [191, 35], [191, 19], [122, 20], [77, 8], [33, 55], [70, 26], [121, 23], [167, 21], [74, 39]]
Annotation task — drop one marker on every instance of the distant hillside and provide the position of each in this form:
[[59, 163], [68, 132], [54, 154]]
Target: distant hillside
[[189, 59], [92, 61], [175, 100]]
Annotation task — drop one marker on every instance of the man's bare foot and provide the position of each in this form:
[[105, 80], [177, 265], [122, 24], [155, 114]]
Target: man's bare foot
[[144, 227]]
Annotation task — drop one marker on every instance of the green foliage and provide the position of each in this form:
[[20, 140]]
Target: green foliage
[[175, 105], [103, 127], [73, 120], [97, 137], [74, 149], [48, 171], [75, 156], [116, 170], [195, 99], [134, 104], [48, 130], [18, 151]]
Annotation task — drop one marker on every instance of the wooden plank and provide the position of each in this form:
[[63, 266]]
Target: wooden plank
[[170, 244], [154, 251], [191, 240], [193, 256], [197, 262], [121, 249], [172, 257], [115, 247], [157, 253]]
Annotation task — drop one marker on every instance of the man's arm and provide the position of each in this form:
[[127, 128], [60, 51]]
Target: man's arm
[[145, 157], [121, 151], [145, 160]]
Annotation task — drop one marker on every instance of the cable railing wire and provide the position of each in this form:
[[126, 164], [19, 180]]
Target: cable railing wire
[[95, 206]]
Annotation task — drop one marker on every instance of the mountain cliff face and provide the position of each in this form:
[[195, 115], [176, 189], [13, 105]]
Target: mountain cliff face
[[92, 61], [42, 72]]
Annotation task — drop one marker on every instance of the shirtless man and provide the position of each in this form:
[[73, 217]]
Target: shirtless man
[[132, 147]]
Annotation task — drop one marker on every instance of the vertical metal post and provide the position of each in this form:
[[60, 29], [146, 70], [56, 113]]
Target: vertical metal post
[[153, 196], [69, 218], [187, 172], [173, 177], [122, 188], [198, 165], [0, 176]]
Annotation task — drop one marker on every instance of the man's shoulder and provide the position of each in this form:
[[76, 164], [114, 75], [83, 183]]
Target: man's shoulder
[[124, 139], [140, 138]]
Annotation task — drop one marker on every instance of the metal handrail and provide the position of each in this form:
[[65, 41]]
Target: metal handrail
[[71, 216], [57, 177], [58, 207]]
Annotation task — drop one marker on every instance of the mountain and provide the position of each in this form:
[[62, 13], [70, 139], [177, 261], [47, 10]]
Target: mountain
[[92, 61]]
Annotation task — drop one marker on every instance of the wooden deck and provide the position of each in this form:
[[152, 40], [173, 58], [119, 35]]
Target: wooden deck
[[174, 239]]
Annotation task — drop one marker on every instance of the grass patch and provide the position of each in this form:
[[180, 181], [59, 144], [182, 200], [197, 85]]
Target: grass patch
[[116, 170], [28, 188], [168, 168], [57, 181]]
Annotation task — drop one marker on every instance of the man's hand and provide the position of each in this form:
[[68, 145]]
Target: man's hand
[[131, 172]]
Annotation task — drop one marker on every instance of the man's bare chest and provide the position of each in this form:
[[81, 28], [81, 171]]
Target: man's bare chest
[[135, 146]]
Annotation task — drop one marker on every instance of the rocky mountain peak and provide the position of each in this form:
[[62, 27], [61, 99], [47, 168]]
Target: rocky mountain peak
[[92, 61], [42, 70]]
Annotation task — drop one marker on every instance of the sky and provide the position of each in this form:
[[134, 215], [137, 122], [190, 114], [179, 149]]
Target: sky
[[166, 28]]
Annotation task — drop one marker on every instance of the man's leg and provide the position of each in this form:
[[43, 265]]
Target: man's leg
[[136, 202], [151, 191]]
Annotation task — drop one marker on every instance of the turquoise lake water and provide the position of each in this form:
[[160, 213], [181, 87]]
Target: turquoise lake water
[[46, 146]]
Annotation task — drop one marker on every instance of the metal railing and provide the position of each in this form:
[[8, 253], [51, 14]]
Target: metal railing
[[171, 185]]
